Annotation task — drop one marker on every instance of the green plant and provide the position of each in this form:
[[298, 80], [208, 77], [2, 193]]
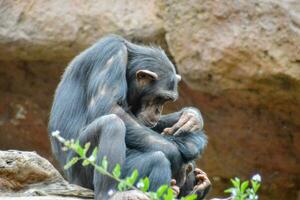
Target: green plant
[[129, 183], [244, 191]]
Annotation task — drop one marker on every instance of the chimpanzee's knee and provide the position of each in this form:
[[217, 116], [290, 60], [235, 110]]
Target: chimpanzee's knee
[[113, 123], [110, 126], [160, 170], [112, 146], [158, 159]]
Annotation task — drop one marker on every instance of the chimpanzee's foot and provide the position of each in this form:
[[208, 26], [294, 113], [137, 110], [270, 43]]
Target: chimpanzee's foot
[[203, 184]]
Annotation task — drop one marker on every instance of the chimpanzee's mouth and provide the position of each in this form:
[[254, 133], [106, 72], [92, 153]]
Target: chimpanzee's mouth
[[145, 121]]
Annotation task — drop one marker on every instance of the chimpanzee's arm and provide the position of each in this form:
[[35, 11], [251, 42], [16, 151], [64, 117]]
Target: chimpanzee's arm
[[188, 119], [178, 149], [166, 121], [144, 139], [190, 144]]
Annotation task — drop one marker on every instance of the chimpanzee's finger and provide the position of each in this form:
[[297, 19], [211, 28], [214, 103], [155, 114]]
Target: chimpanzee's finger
[[180, 123], [199, 171], [167, 131], [176, 190], [201, 177], [186, 127], [173, 182], [195, 128], [202, 186]]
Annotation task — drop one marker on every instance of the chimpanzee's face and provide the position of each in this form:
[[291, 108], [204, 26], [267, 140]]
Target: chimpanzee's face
[[151, 108], [155, 92]]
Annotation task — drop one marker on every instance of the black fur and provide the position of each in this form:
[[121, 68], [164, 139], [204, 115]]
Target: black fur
[[96, 102]]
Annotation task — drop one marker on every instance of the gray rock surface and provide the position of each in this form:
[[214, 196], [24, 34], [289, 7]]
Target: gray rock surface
[[27, 174]]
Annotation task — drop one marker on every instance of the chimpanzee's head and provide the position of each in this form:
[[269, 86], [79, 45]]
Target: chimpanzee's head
[[152, 81]]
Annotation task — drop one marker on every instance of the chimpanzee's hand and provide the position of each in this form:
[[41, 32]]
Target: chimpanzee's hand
[[190, 120], [203, 183]]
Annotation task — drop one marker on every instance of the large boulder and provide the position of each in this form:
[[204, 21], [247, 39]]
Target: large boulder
[[242, 61], [57, 30], [27, 174]]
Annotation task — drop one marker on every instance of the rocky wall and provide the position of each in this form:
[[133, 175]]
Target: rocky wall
[[240, 62]]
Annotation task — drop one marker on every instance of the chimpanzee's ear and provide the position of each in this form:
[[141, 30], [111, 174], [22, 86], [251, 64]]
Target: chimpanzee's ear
[[144, 77]]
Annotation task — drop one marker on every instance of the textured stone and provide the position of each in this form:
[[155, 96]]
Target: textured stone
[[51, 30], [28, 174], [26, 93], [242, 60]]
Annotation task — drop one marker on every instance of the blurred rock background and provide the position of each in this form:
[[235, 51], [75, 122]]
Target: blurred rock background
[[240, 62]]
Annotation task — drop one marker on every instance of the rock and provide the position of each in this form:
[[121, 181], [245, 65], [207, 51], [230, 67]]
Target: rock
[[58, 30], [241, 59], [26, 93], [40, 198], [28, 174], [129, 195], [238, 45]]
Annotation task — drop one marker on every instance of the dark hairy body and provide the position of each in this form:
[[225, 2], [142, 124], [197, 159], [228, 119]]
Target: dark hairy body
[[112, 96]]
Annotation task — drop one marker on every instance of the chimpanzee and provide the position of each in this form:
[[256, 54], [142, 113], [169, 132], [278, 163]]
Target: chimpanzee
[[112, 96]]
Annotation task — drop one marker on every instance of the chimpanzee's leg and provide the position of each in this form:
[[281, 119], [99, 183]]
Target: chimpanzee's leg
[[108, 134], [154, 165], [112, 145]]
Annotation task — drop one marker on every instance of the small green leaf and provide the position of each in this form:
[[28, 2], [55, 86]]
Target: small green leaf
[[72, 162], [95, 152], [161, 190], [134, 175], [146, 183], [236, 182], [122, 186], [229, 190], [104, 163], [78, 148], [117, 171], [169, 195], [244, 186], [190, 197], [255, 186], [85, 163], [86, 148]]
